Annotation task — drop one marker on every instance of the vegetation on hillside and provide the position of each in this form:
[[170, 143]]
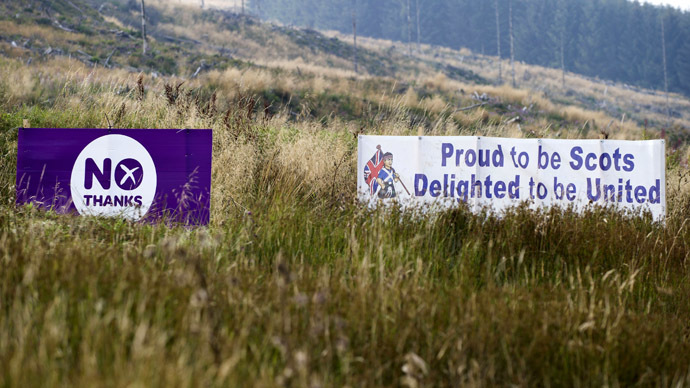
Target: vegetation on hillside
[[618, 40], [294, 282]]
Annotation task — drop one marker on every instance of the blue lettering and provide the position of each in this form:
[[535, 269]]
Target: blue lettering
[[446, 152], [640, 193], [484, 161], [655, 192], [514, 188], [420, 179], [470, 158], [463, 189], [576, 164], [499, 189], [435, 189], [588, 165], [590, 190], [570, 192], [629, 164], [605, 161]]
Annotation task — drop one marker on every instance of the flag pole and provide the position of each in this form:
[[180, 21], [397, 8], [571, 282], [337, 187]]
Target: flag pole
[[403, 185]]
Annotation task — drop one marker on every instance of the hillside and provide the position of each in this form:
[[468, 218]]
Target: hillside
[[209, 41], [620, 40], [294, 283]]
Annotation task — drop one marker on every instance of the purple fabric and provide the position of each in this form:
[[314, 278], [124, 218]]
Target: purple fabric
[[46, 157]]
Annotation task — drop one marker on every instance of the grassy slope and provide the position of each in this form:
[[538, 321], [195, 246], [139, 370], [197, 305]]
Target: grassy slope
[[295, 284]]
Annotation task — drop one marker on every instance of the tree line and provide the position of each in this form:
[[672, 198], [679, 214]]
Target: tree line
[[617, 40]]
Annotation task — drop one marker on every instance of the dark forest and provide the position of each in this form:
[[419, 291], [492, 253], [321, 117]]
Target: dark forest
[[616, 40]]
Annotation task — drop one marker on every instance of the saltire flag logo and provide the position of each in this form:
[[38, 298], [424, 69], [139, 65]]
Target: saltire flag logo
[[371, 170]]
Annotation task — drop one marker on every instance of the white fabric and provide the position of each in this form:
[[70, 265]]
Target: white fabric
[[443, 170]]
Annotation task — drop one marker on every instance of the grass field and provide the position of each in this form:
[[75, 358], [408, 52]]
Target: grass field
[[294, 283]]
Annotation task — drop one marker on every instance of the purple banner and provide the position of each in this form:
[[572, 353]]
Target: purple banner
[[138, 174]]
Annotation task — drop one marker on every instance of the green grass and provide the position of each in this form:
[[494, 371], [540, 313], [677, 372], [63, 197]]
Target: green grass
[[303, 290], [301, 285], [294, 283]]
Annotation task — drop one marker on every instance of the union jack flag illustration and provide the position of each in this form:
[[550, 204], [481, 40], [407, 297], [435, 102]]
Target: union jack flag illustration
[[372, 168]]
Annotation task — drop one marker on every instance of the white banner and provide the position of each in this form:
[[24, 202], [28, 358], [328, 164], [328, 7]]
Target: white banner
[[500, 172]]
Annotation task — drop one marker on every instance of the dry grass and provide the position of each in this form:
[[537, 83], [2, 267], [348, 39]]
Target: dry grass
[[235, 82], [534, 82], [221, 4], [301, 66], [265, 47], [45, 34], [294, 284]]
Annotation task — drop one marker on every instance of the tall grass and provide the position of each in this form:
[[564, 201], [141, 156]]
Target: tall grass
[[296, 284]]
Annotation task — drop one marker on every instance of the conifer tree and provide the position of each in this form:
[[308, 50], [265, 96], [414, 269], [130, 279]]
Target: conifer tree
[[498, 43], [143, 26], [663, 50], [561, 28], [354, 30], [419, 46], [512, 46], [409, 30], [610, 39]]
